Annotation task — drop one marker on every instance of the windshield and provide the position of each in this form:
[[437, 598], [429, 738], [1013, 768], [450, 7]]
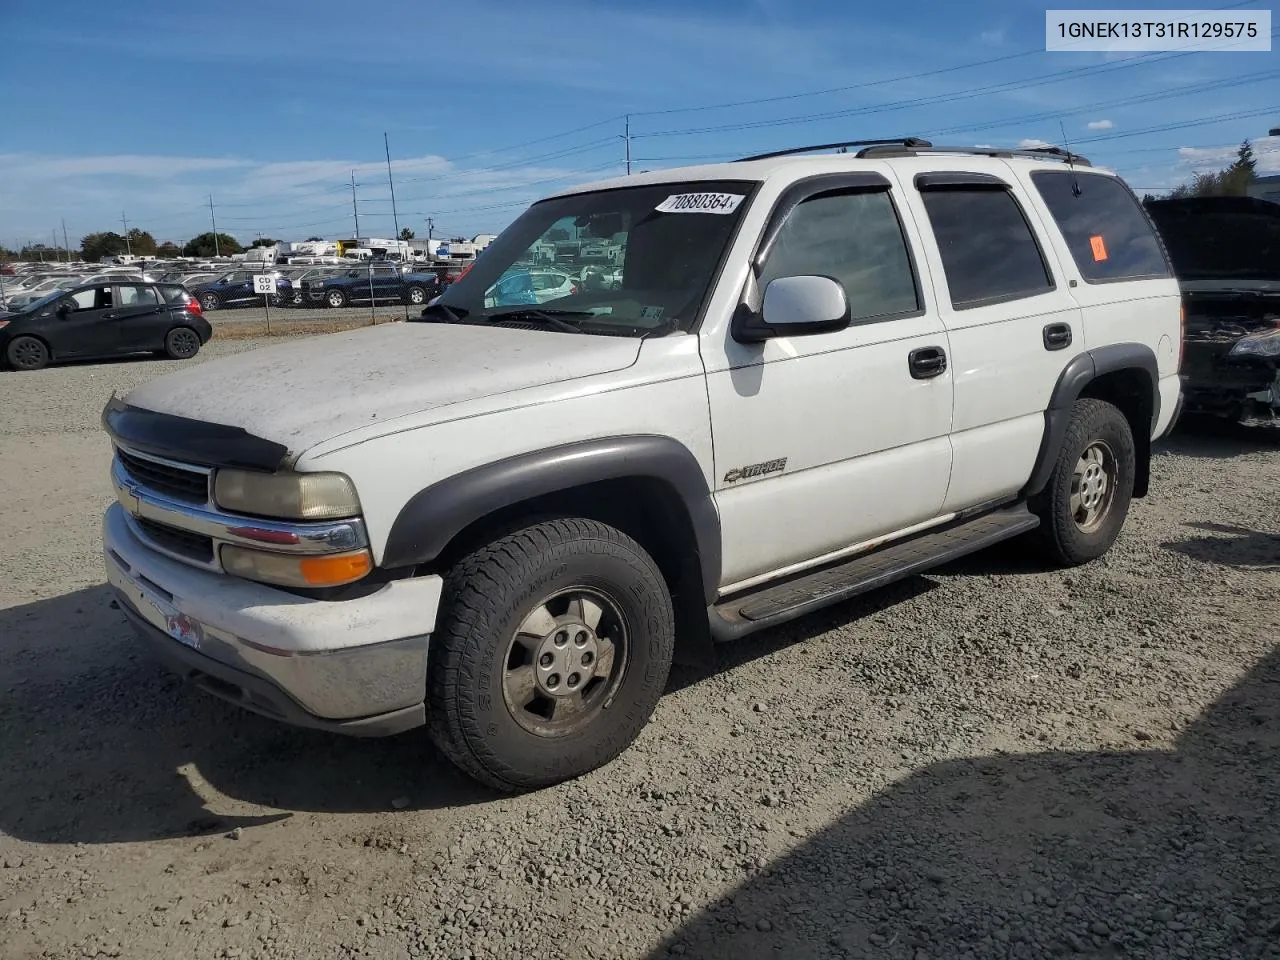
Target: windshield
[[630, 261]]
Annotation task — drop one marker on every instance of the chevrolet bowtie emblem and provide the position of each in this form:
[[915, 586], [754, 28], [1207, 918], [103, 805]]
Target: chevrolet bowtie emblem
[[128, 498]]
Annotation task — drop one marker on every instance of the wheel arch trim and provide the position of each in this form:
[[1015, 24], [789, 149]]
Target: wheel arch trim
[[432, 517], [1080, 371]]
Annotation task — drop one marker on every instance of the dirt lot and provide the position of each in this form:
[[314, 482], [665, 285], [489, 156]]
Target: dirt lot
[[992, 761]]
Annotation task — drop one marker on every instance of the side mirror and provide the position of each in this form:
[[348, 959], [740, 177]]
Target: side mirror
[[794, 307], [64, 308]]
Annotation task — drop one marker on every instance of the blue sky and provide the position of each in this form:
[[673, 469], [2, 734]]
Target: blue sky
[[148, 108]]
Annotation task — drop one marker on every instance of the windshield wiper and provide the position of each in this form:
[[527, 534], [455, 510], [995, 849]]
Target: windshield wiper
[[556, 319]]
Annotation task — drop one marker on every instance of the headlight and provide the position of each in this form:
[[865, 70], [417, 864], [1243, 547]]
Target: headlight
[[333, 570], [295, 496], [1258, 345]]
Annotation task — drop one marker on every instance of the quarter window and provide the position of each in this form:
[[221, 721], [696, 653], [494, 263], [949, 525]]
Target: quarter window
[[988, 251], [856, 239], [1106, 231], [131, 296]]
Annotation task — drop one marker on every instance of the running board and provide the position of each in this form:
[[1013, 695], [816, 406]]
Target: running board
[[771, 605]]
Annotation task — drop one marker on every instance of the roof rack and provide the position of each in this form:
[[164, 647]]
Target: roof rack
[[898, 148], [901, 143]]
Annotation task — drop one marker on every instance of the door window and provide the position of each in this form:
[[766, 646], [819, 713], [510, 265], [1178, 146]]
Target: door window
[[137, 296], [87, 299], [988, 251], [855, 238]]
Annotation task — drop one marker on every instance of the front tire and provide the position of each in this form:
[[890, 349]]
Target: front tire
[[336, 299], [1085, 503], [27, 353], [209, 301], [181, 343], [553, 648]]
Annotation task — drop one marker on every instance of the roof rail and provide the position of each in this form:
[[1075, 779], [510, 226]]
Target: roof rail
[[899, 142], [897, 149]]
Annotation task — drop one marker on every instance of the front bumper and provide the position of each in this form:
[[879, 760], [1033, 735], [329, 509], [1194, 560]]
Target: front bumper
[[354, 666]]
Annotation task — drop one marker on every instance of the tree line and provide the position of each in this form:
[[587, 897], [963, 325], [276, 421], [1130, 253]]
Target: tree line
[[141, 243], [1231, 181]]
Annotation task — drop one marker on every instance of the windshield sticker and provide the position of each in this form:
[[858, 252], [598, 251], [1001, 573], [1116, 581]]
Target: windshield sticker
[[600, 311], [651, 313], [700, 203], [1099, 248]]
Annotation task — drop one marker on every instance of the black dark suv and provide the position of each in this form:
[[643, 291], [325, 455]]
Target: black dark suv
[[104, 320]]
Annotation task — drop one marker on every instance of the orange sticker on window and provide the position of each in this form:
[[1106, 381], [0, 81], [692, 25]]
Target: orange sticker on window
[[1099, 248]]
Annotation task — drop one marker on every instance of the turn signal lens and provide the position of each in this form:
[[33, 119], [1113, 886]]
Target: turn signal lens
[[293, 571]]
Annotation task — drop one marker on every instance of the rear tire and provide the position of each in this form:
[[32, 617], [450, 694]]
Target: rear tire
[[27, 353], [553, 647], [1086, 500], [416, 295], [181, 343]]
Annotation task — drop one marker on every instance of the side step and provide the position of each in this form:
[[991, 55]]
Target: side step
[[773, 604]]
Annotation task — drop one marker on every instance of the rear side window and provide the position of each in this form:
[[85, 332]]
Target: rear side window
[[856, 239], [988, 250], [131, 296], [174, 294], [1106, 231]]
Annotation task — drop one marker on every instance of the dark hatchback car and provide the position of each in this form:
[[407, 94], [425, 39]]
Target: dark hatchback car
[[104, 320]]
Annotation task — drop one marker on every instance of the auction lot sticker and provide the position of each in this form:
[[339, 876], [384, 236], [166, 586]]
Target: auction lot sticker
[[700, 203]]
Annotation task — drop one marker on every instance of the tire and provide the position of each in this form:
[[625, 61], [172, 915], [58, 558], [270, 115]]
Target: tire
[[336, 299], [181, 343], [416, 295], [568, 595], [1098, 446], [27, 353], [209, 301]]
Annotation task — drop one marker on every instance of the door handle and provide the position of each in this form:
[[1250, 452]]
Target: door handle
[[1057, 336], [108, 316], [927, 362]]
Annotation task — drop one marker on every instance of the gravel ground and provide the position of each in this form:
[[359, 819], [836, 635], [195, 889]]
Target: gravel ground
[[992, 761], [385, 311]]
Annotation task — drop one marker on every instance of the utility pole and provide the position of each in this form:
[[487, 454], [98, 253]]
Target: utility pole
[[355, 213], [627, 137], [217, 252], [64, 239], [55, 245], [394, 218], [431, 228], [127, 244]]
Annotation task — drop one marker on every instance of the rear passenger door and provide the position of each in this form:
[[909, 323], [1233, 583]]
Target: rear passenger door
[[1012, 322], [140, 317]]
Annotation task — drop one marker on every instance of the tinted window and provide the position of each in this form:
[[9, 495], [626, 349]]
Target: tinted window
[[175, 294], [1105, 229], [137, 296], [855, 238], [988, 251]]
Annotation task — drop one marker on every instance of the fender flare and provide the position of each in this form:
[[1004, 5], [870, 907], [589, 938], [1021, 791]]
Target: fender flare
[[435, 515], [1079, 372]]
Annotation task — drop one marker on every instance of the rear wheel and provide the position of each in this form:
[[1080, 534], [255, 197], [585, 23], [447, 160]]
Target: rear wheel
[[336, 298], [181, 343], [209, 301], [553, 647], [27, 353], [1087, 498], [416, 295]]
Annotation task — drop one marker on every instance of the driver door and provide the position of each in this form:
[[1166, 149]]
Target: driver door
[[85, 331]]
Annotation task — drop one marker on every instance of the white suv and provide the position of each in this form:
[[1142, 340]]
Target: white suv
[[817, 374]]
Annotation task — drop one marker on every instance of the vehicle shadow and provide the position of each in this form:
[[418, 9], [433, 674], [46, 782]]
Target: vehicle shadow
[[100, 744], [1157, 853], [1216, 439], [1242, 548]]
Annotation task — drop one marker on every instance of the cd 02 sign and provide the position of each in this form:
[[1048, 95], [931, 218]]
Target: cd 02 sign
[[264, 284]]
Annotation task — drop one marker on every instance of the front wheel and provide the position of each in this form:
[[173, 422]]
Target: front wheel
[[336, 298], [1087, 498], [553, 647], [209, 301], [27, 353]]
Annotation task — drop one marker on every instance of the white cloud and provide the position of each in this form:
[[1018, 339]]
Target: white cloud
[[992, 38], [1100, 125], [1030, 143], [1266, 151]]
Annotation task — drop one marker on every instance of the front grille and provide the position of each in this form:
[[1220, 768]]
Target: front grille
[[184, 543], [191, 486]]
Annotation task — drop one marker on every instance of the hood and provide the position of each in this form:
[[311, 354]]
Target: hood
[[301, 393], [1224, 240]]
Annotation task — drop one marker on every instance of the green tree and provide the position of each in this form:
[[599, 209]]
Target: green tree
[[168, 250], [406, 234], [1235, 180], [141, 243], [265, 242], [203, 245], [95, 246]]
